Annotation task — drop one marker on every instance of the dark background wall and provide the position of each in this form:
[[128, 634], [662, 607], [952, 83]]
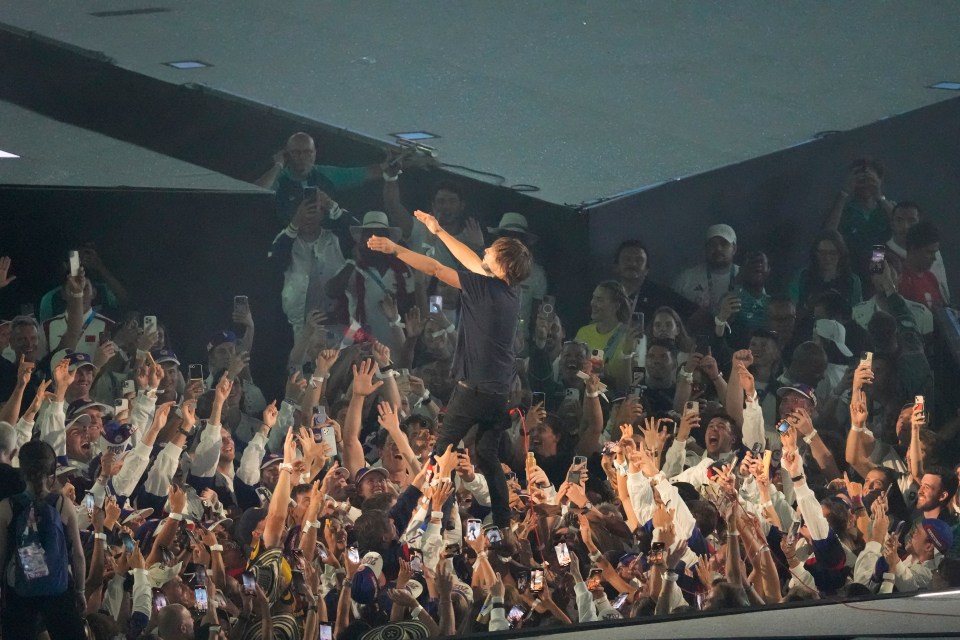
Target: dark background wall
[[778, 202]]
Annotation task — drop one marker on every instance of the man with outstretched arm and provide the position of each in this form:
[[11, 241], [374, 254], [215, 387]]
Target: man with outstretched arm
[[484, 359]]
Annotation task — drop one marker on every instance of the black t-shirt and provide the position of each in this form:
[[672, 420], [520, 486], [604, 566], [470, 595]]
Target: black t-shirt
[[489, 315], [11, 483]]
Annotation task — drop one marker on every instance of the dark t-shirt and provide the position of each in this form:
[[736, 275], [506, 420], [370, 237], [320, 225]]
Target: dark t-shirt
[[489, 315], [10, 482]]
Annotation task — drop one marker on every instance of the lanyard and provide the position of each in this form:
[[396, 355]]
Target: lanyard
[[376, 278]]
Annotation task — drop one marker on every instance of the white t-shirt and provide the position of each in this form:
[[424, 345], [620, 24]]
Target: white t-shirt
[[705, 286]]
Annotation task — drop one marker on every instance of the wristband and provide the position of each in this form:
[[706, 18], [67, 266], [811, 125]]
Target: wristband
[[627, 356], [889, 577], [592, 394], [686, 376], [307, 525], [595, 556], [450, 329], [437, 515], [176, 516], [415, 614], [216, 547], [397, 322], [285, 466], [798, 478], [389, 178], [316, 381], [808, 439], [99, 536], [858, 429], [588, 506], [670, 576], [497, 605], [733, 534]]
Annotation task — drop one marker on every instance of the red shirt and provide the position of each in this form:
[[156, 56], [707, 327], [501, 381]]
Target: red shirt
[[921, 287]]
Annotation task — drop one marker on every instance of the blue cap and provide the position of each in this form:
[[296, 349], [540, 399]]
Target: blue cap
[[803, 389], [79, 359], [939, 533], [219, 338], [364, 590], [165, 355]]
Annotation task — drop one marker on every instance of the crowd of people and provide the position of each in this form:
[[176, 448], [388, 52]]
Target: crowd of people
[[450, 456]]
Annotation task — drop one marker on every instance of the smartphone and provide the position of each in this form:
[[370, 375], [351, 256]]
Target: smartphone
[[297, 559], [548, 305], [536, 581], [572, 394], [200, 595], [166, 556], [328, 437], [538, 397], [638, 375], [876, 258], [594, 579], [523, 581], [692, 407], [241, 304], [311, 193], [149, 324], [452, 549], [898, 531], [867, 358], [610, 448], [703, 345], [354, 554], [322, 553], [120, 405], [319, 415], [473, 529], [74, 263], [127, 542], [637, 320], [620, 601], [195, 372], [783, 427], [129, 386], [757, 449], [494, 535], [918, 405], [159, 600], [249, 582], [436, 304], [326, 632], [793, 533], [89, 503], [767, 458], [200, 574], [596, 359], [563, 554], [416, 561], [517, 612], [656, 553]]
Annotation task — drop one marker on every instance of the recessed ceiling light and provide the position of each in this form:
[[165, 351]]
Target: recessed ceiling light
[[188, 64], [7, 154], [415, 135], [949, 86]]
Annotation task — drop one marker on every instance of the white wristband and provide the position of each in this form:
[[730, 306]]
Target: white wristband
[[176, 516], [686, 375], [308, 524], [415, 614], [595, 556], [216, 547], [389, 178], [592, 394], [99, 536], [808, 439], [316, 381], [889, 577]]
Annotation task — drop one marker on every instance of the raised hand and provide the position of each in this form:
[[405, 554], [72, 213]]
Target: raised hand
[[238, 363], [363, 384], [388, 417], [381, 354], [747, 382], [382, 245], [428, 221], [5, 277], [224, 386], [270, 413], [743, 355], [24, 372], [63, 376], [472, 234], [326, 359], [295, 386], [858, 409], [177, 499]]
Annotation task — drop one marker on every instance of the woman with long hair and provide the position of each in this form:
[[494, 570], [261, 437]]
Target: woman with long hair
[[611, 332], [829, 269], [39, 592]]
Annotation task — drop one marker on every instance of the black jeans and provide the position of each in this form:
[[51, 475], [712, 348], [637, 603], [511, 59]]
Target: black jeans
[[26, 617], [490, 412]]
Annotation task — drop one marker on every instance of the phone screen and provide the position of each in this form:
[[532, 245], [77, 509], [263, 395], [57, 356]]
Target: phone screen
[[354, 554], [128, 542], [249, 582], [416, 561], [240, 303], [326, 632], [536, 581], [516, 615], [622, 598], [593, 580], [436, 304], [195, 372], [159, 600], [74, 264], [656, 553], [539, 397], [876, 258], [783, 427], [200, 595], [473, 529], [494, 535], [563, 554]]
